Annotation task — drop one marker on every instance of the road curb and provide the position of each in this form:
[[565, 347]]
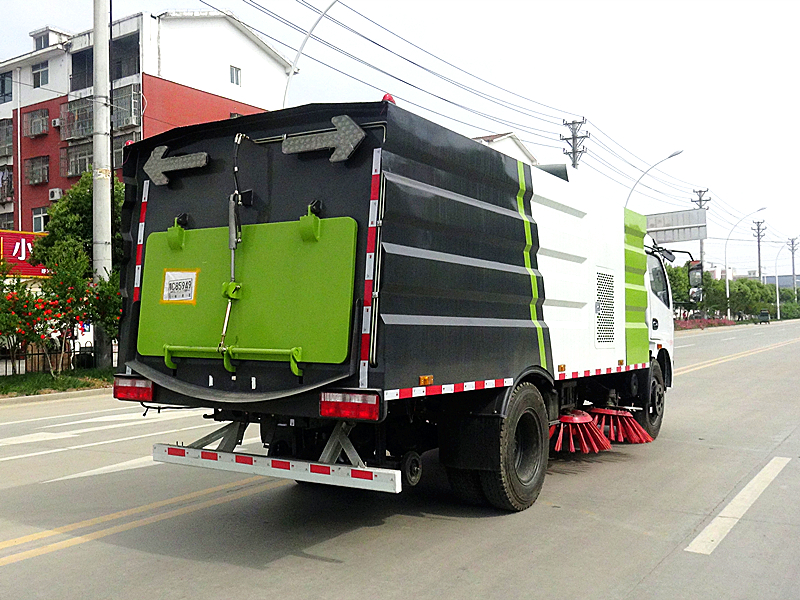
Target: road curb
[[55, 396]]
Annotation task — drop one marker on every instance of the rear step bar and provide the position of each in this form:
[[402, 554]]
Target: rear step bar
[[364, 478]]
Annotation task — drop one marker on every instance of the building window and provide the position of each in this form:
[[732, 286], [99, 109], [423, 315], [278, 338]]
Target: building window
[[120, 142], [40, 74], [37, 170], [5, 87], [6, 184], [82, 70], [76, 160], [76, 118], [124, 56], [6, 137], [127, 103], [7, 220], [40, 219], [42, 41], [236, 75], [36, 122]]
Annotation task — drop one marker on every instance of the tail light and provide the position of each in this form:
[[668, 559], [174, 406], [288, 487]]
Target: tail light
[[339, 405], [128, 388]]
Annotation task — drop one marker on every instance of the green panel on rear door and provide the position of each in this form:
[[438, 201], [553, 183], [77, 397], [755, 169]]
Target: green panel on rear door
[[295, 293]]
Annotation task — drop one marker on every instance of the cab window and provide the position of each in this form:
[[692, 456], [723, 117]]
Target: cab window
[[658, 279]]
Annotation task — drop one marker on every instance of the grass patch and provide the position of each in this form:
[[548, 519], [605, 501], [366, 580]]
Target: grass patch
[[31, 384]]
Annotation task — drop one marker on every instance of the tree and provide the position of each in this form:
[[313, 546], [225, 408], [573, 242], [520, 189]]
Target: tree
[[71, 221], [679, 283], [13, 294]]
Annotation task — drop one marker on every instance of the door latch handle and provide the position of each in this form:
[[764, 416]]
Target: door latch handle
[[655, 324]]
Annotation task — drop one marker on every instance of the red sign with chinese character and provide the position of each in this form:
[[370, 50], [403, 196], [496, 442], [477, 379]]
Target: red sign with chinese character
[[15, 248]]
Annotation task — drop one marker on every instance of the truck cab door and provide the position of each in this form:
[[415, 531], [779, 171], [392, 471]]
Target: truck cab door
[[659, 314]]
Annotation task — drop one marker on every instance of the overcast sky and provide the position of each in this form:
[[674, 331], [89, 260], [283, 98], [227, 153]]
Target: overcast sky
[[716, 79]]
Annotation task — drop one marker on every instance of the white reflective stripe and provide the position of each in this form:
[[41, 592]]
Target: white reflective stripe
[[366, 321], [391, 395], [489, 383], [508, 381], [369, 269], [362, 375], [417, 392], [469, 386], [376, 161], [373, 213], [137, 277], [140, 236], [448, 388], [145, 190]]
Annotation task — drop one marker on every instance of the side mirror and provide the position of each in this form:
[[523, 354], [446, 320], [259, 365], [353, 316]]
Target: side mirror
[[695, 274], [668, 256]]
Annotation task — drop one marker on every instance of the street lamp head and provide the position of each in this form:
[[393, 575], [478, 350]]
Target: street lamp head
[[674, 154]]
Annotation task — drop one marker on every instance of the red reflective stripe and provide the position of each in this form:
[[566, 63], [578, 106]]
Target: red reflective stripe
[[405, 393], [136, 294], [208, 455], [368, 292], [479, 385], [432, 390], [357, 474], [459, 387], [364, 346], [574, 374], [244, 460], [139, 249], [562, 375], [500, 383], [176, 452], [375, 190], [281, 464], [320, 469], [371, 235]]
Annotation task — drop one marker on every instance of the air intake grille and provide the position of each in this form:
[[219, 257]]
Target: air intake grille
[[604, 308]]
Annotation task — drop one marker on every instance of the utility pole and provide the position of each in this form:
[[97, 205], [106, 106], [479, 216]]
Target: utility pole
[[701, 202], [575, 141], [101, 169], [793, 247], [758, 233]]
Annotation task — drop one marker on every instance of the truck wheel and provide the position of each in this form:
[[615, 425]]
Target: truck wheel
[[652, 413], [466, 486], [524, 450]]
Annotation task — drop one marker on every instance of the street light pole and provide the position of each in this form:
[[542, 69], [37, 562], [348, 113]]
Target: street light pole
[[727, 272], [777, 287], [300, 51], [647, 171]]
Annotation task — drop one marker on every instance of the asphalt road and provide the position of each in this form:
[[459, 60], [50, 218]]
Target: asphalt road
[[710, 510]]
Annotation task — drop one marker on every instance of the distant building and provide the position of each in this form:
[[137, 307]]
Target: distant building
[[510, 145], [168, 70]]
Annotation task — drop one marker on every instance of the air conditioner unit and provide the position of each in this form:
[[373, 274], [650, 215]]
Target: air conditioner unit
[[132, 121], [56, 122], [55, 194]]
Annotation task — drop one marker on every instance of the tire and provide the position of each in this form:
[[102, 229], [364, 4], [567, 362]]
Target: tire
[[524, 451], [466, 486], [652, 413]]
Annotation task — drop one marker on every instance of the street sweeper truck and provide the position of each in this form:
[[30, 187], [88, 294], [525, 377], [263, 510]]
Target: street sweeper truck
[[360, 285]]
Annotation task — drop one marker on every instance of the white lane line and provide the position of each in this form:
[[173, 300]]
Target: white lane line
[[141, 421], [684, 346], [32, 438], [727, 339], [715, 532], [91, 412], [762, 333], [136, 463], [126, 417], [125, 439]]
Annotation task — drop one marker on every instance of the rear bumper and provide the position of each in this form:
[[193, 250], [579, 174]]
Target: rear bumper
[[364, 478]]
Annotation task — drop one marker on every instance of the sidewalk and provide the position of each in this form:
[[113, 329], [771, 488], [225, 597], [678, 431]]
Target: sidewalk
[[48, 397]]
